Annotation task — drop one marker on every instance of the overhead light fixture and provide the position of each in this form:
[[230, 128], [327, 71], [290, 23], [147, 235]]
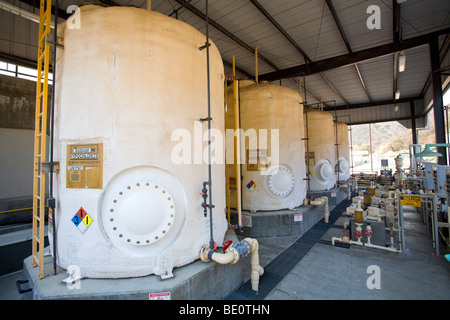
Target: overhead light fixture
[[397, 94], [396, 108], [400, 1], [427, 152], [401, 61]]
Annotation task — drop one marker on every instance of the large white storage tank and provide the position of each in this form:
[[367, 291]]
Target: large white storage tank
[[274, 113], [342, 140], [322, 153], [130, 83]]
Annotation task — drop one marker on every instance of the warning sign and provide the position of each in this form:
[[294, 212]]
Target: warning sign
[[82, 220], [84, 166], [159, 296], [257, 160], [410, 200], [252, 185]]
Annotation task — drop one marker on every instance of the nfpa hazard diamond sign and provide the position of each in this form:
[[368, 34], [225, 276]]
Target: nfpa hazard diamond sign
[[82, 220]]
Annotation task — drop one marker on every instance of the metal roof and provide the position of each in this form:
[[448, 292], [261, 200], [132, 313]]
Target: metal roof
[[326, 44]]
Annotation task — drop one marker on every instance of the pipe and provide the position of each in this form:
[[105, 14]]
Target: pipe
[[256, 64], [233, 254], [257, 270], [368, 244], [211, 241], [237, 145], [322, 201], [305, 107], [349, 193], [149, 5], [227, 174], [51, 146]]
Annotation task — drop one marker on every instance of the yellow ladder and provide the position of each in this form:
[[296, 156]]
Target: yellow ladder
[[40, 137]]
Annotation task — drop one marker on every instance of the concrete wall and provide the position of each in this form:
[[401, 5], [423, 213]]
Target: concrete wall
[[17, 111], [16, 163]]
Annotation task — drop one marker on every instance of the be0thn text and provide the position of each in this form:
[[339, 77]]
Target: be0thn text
[[245, 309]]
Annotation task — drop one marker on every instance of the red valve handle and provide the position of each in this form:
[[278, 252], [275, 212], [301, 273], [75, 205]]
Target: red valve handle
[[358, 234], [368, 233], [226, 245]]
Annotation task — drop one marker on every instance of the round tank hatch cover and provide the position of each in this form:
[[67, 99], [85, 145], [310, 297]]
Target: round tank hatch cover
[[326, 171], [343, 165], [281, 181], [141, 213]]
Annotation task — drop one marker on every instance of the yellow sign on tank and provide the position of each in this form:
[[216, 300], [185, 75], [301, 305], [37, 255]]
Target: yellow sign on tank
[[84, 166]]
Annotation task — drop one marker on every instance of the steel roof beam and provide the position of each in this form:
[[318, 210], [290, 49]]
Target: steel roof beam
[[370, 104], [350, 58], [231, 36], [280, 28], [295, 44], [347, 44], [200, 14]]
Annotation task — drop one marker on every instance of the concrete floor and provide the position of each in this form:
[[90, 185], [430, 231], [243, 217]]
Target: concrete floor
[[336, 273]]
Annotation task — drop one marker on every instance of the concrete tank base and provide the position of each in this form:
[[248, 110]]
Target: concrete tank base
[[335, 196], [278, 223], [195, 281], [282, 223]]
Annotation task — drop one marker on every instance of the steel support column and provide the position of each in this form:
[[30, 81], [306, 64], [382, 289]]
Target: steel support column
[[437, 97], [413, 122]]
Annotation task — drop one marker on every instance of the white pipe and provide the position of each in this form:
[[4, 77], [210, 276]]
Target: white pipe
[[349, 193], [231, 255], [225, 258], [257, 270], [360, 243], [370, 245], [322, 201]]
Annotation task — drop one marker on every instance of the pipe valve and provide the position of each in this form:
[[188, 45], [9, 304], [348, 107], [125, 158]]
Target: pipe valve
[[204, 195]]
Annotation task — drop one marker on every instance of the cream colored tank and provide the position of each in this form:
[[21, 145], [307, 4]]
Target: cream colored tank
[[321, 150], [274, 113], [129, 83], [344, 151]]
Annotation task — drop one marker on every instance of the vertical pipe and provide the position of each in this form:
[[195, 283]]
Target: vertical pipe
[[337, 146], [149, 5], [237, 144], [305, 106], [51, 146], [227, 173], [400, 225], [351, 142], [256, 64], [435, 226], [211, 241], [370, 147]]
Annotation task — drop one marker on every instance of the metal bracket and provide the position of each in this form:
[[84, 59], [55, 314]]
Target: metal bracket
[[50, 40], [205, 46], [205, 119], [48, 167]]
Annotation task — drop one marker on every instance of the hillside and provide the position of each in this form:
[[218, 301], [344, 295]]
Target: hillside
[[388, 136]]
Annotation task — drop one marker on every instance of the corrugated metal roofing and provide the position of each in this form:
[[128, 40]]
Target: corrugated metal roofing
[[310, 24]]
